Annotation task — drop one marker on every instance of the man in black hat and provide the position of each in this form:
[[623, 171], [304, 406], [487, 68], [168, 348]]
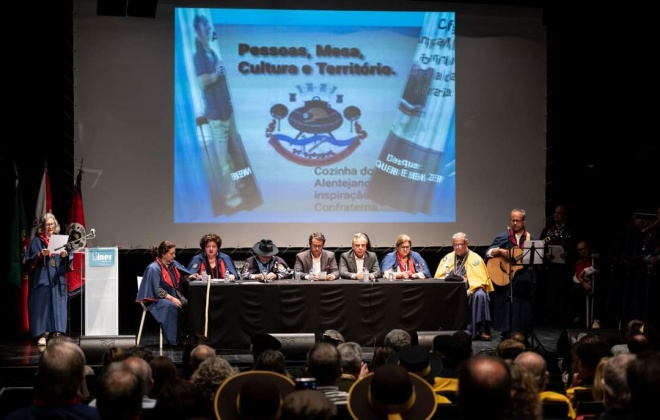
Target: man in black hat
[[265, 265]]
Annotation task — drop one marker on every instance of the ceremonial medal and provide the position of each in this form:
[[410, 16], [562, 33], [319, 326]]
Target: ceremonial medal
[[52, 262]]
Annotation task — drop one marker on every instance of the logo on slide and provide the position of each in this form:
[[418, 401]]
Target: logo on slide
[[318, 125]]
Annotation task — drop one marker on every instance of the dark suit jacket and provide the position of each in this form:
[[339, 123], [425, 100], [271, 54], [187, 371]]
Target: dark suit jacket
[[348, 266], [328, 262]]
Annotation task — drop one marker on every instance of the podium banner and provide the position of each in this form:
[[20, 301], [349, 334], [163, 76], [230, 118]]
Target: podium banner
[[101, 291]]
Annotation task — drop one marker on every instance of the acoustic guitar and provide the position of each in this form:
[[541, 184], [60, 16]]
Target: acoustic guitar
[[502, 270]]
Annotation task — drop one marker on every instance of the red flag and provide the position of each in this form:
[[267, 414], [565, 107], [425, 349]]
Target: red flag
[[44, 202], [18, 248], [76, 277]]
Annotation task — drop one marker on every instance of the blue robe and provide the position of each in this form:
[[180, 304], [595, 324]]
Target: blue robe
[[47, 296], [389, 263], [163, 310], [195, 265]]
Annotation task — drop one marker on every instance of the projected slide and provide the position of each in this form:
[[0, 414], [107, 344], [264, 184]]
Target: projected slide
[[285, 116]]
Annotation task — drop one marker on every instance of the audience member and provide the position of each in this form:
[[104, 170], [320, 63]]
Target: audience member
[[142, 370], [200, 353], [48, 296], [419, 361], [525, 401], [162, 370], [271, 360], [471, 267], [60, 385], [253, 395], [403, 262], [484, 388], [119, 394], [333, 337], [180, 399], [211, 261], [452, 353], [190, 343], [634, 326], [265, 265], [262, 342], [141, 352], [324, 364], [317, 259], [307, 404], [536, 365], [397, 338], [160, 292], [352, 264], [391, 392], [509, 348], [352, 366], [113, 354], [380, 357], [643, 374], [616, 392], [507, 245], [210, 374]]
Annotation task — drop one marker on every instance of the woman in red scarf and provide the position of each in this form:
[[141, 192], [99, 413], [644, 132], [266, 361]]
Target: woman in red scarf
[[160, 290]]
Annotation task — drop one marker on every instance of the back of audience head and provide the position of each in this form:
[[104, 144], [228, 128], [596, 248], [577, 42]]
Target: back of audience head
[[397, 338], [466, 339], [536, 365], [113, 354], [307, 405], [142, 370], [643, 375], [263, 341], [333, 337], [525, 402], [210, 374], [380, 357], [119, 393], [615, 389], [162, 369], [198, 354], [637, 343], [180, 399], [139, 351], [484, 387], [271, 360], [61, 373], [351, 358], [188, 346], [451, 350], [324, 364], [509, 348]]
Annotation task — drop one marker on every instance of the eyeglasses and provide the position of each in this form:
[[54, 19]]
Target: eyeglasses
[[404, 246], [50, 224], [459, 245]]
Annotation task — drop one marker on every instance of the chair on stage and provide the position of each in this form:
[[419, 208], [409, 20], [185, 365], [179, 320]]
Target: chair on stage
[[144, 314]]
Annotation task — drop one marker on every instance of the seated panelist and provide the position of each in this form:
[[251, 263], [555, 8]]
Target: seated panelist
[[317, 259], [210, 260], [404, 263], [265, 265], [352, 263], [471, 267]]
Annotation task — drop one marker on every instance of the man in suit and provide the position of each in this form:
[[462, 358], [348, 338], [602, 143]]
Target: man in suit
[[317, 259], [352, 263]]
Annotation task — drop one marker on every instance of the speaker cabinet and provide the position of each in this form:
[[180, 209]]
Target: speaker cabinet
[[425, 338], [95, 346], [296, 346]]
